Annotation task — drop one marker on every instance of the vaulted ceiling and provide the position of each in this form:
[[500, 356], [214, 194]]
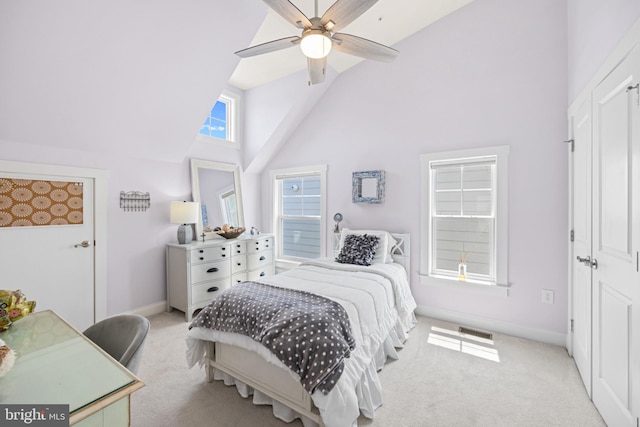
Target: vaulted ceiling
[[386, 22]]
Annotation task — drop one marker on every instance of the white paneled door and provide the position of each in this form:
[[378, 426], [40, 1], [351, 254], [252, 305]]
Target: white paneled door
[[581, 208], [53, 264], [615, 243]]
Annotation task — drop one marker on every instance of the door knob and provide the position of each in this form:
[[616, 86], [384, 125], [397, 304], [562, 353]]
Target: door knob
[[83, 244], [587, 261]]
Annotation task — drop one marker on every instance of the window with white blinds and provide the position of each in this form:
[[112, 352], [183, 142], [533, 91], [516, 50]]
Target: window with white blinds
[[464, 216], [298, 216]]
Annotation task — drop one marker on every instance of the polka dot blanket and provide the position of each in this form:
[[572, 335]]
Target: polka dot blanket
[[309, 333]]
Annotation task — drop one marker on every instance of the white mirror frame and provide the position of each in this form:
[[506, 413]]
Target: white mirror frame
[[197, 164]]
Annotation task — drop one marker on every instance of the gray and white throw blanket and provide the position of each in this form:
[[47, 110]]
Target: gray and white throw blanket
[[309, 333]]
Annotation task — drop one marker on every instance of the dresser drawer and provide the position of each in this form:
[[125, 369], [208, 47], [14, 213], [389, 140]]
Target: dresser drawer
[[260, 245], [205, 291], [259, 259], [210, 271], [214, 253], [238, 263], [238, 248], [238, 278], [255, 275]]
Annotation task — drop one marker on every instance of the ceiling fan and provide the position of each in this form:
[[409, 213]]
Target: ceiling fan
[[319, 35]]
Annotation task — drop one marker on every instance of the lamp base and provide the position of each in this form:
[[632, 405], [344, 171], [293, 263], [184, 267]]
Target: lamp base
[[185, 234]]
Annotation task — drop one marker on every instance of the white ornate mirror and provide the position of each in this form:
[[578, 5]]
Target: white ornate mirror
[[217, 187]]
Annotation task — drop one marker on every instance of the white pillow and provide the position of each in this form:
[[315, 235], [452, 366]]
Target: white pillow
[[385, 244]]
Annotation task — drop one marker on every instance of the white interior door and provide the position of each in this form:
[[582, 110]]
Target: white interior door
[[49, 263], [616, 113], [581, 247]]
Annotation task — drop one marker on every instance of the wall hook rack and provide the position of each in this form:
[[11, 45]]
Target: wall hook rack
[[135, 201]]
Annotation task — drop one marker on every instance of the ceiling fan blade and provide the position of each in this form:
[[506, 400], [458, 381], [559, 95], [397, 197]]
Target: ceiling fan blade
[[354, 45], [317, 70], [289, 12], [267, 47], [344, 12]]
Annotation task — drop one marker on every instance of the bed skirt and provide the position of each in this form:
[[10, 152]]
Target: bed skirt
[[368, 391]]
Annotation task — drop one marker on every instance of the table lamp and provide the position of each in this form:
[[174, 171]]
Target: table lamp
[[185, 214]]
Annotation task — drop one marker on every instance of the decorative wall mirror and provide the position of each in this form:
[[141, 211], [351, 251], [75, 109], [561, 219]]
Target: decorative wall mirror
[[217, 187], [368, 187]]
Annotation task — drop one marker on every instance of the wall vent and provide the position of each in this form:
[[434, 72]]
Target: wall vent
[[475, 333]]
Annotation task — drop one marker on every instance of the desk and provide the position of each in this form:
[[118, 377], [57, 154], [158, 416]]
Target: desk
[[57, 364]]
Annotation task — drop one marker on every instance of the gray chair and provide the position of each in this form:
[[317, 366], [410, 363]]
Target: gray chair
[[122, 337]]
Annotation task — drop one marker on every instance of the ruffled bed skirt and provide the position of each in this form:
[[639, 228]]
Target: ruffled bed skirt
[[368, 391]]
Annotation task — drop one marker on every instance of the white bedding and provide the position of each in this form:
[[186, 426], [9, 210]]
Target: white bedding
[[380, 307]]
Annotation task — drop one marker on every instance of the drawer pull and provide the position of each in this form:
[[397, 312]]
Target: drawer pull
[[212, 270], [262, 258], [239, 251], [201, 251], [201, 258], [212, 289], [262, 273], [224, 249], [224, 255], [239, 264]]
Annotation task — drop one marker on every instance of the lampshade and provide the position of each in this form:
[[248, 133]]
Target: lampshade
[[315, 44], [184, 212]]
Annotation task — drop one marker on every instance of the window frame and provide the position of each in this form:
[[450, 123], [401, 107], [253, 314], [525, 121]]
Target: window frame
[[286, 262], [500, 255], [233, 102]]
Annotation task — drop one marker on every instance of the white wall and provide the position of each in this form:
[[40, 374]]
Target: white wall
[[594, 29], [123, 87], [492, 73]]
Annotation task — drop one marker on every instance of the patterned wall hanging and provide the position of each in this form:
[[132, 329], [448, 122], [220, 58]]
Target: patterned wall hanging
[[25, 202]]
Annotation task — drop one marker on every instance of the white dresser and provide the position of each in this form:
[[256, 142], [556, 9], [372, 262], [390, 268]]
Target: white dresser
[[196, 272]]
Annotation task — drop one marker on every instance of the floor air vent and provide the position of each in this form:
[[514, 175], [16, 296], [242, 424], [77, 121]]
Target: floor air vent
[[475, 333]]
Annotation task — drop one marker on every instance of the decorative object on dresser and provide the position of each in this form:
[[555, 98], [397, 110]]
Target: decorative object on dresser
[[368, 187], [185, 214], [199, 271]]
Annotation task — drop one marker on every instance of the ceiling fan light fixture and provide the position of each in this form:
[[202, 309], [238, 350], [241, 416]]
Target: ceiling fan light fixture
[[315, 44]]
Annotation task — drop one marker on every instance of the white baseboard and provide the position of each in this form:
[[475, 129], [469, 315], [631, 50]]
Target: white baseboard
[[150, 310], [492, 325]]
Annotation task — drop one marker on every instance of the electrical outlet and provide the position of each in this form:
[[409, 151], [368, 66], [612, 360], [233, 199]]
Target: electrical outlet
[[547, 296]]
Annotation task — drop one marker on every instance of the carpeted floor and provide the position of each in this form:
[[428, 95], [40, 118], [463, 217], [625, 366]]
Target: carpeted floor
[[441, 379]]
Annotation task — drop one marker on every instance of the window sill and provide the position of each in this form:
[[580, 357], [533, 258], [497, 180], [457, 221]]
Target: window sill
[[467, 286]]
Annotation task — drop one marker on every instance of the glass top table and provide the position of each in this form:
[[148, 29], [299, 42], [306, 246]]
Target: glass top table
[[57, 364]]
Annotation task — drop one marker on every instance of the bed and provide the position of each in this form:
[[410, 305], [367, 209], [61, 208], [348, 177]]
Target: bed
[[380, 309]]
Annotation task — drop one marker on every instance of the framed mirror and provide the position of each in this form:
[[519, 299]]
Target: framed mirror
[[217, 187], [368, 187]]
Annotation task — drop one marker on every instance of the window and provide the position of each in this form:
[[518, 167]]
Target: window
[[221, 125], [299, 213], [464, 217]]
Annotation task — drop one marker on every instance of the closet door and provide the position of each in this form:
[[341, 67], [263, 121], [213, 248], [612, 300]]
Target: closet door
[[616, 113], [581, 226]]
